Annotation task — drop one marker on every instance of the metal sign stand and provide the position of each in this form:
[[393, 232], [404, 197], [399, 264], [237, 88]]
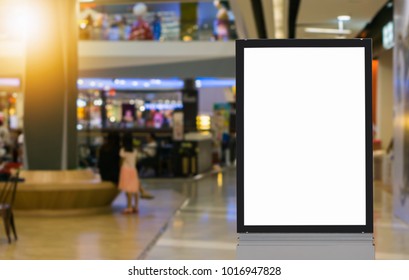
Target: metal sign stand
[[311, 246]]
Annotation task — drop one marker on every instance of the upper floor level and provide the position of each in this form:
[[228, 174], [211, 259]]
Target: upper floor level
[[151, 39], [202, 20]]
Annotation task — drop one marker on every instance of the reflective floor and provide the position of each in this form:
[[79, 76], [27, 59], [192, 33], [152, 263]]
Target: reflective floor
[[188, 219], [107, 235], [391, 234], [205, 226]]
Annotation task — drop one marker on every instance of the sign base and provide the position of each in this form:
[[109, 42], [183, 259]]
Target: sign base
[[320, 246]]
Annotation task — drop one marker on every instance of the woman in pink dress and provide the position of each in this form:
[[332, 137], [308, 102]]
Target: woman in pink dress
[[128, 176]]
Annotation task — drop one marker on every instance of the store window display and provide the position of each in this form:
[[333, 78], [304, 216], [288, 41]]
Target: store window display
[[128, 118]]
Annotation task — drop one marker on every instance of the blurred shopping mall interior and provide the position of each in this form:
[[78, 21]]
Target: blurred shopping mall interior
[[73, 72]]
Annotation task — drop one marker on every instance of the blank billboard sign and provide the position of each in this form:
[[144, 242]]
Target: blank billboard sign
[[304, 132]]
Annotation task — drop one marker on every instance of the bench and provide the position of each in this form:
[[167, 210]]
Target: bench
[[63, 190]]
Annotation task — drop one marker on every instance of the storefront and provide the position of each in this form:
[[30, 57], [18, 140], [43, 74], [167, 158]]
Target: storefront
[[11, 103], [130, 104], [144, 106], [127, 109]]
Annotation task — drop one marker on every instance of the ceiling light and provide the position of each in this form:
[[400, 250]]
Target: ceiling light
[[344, 17], [327, 31], [279, 18]]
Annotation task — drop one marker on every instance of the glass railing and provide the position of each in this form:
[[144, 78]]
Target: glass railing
[[193, 21]]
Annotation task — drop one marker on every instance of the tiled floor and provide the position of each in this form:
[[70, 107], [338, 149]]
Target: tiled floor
[[204, 227]]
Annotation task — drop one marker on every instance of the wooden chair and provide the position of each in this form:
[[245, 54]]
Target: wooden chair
[[7, 196]]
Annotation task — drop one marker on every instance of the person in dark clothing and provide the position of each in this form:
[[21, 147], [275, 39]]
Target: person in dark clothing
[[109, 162], [109, 159]]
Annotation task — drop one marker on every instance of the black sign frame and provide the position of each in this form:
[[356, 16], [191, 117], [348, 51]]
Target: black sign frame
[[303, 43]]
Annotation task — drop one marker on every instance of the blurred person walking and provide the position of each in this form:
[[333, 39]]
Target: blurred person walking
[[221, 24], [4, 140], [118, 29], [18, 146], [128, 177], [109, 159], [141, 30], [109, 162], [156, 27]]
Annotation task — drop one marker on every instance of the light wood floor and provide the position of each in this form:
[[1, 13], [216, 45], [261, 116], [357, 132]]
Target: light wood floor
[[109, 235]]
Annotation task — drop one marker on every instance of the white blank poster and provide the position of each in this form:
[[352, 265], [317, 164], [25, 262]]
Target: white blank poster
[[304, 136]]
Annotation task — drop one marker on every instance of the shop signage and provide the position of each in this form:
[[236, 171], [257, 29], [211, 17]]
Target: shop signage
[[9, 83], [387, 36]]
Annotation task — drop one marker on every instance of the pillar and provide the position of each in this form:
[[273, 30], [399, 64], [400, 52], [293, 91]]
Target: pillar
[[190, 105], [50, 85], [400, 169], [188, 21], [385, 99]]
